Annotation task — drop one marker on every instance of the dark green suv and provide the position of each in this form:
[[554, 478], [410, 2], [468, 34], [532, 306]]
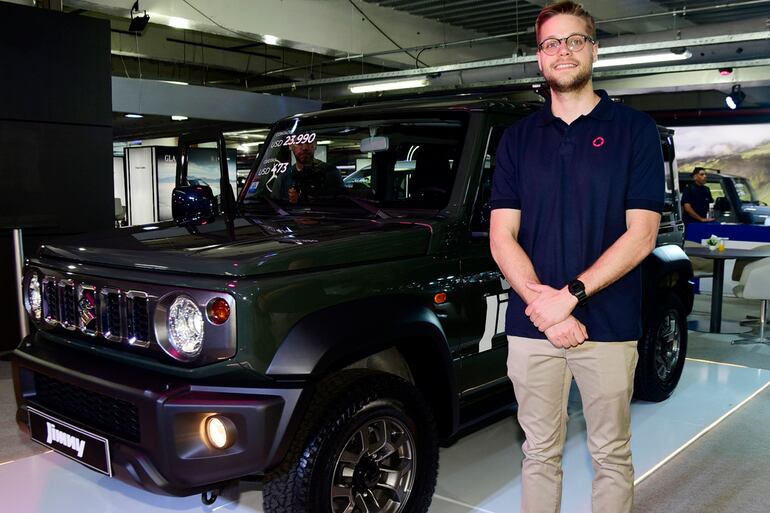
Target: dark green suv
[[326, 343]]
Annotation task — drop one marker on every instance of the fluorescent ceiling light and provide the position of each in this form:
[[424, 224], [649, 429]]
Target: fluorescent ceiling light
[[175, 82], [322, 143], [642, 59], [178, 118], [179, 23], [133, 116], [409, 83], [270, 40]]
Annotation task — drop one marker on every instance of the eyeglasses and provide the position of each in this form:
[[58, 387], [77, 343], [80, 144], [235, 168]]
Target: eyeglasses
[[575, 43]]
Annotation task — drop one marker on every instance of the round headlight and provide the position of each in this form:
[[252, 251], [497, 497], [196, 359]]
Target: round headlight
[[33, 297], [185, 327]]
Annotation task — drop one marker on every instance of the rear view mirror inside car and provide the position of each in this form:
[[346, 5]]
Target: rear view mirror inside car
[[375, 144]]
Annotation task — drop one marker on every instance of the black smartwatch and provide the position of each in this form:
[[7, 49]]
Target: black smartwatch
[[578, 289]]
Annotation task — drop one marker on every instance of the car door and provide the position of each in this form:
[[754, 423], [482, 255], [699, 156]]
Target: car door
[[484, 348], [671, 225]]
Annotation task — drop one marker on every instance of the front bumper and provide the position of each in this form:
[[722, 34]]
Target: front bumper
[[153, 422]]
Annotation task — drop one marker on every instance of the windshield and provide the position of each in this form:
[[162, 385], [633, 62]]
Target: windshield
[[745, 192], [386, 167]]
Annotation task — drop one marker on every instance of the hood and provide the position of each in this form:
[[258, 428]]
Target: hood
[[759, 213], [252, 247]]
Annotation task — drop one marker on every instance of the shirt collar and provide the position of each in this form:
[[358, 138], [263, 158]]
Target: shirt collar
[[602, 111]]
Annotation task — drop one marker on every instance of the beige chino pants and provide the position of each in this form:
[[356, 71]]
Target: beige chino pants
[[541, 376]]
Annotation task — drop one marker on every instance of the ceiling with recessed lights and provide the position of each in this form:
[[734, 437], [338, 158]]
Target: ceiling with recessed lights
[[317, 49]]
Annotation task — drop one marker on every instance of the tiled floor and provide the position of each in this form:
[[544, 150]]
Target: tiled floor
[[479, 473]]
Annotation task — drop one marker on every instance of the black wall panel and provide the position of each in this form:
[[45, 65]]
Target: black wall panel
[[55, 134], [56, 66], [60, 176]]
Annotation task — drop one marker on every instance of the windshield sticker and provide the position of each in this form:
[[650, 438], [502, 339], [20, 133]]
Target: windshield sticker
[[294, 139], [271, 168]]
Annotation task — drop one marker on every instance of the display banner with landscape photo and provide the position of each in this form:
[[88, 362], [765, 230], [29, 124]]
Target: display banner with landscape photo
[[738, 150]]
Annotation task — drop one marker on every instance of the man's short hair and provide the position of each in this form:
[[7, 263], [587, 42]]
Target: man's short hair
[[571, 8], [697, 170]]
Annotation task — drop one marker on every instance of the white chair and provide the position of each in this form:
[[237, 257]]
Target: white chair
[[755, 284], [120, 213], [751, 321]]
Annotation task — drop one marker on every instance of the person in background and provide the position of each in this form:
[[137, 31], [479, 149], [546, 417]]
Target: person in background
[[576, 203], [696, 199], [307, 178]]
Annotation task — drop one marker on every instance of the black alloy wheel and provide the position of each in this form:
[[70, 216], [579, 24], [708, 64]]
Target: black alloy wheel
[[662, 350], [368, 445]]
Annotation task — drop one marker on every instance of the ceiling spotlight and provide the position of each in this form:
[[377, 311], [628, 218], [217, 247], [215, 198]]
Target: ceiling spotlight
[[735, 98], [725, 71], [139, 23]]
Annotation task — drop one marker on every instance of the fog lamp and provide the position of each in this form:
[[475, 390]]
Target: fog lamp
[[220, 431]]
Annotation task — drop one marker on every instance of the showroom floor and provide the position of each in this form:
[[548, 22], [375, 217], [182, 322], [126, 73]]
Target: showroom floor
[[718, 380]]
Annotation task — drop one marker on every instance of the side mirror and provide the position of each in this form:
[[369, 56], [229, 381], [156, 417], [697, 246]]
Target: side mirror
[[193, 205]]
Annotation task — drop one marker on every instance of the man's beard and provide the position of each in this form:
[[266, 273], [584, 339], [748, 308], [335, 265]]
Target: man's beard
[[568, 85]]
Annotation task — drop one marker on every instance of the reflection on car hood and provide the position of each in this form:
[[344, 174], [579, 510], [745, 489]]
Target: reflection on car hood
[[254, 246]]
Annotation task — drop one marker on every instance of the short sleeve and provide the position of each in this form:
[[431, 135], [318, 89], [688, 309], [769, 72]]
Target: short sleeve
[[686, 193], [646, 189], [505, 190]]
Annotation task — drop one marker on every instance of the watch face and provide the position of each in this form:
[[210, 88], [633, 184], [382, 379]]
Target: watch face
[[577, 289]]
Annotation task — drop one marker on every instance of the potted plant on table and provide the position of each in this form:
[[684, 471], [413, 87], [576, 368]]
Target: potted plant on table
[[714, 242]]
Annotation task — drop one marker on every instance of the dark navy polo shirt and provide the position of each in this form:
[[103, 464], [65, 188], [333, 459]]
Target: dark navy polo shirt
[[699, 197], [573, 185]]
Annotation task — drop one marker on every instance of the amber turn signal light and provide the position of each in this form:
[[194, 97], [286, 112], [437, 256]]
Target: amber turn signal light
[[218, 311]]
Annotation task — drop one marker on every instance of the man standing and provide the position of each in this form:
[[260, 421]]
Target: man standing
[[696, 198], [576, 202], [307, 178]]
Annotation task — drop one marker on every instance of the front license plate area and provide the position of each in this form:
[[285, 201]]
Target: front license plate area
[[91, 450]]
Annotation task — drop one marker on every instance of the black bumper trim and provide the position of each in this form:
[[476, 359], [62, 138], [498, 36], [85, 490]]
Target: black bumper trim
[[172, 457]]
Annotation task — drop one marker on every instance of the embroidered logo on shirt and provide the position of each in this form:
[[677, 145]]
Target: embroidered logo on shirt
[[598, 142]]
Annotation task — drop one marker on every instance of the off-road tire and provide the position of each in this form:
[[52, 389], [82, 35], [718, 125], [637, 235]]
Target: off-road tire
[[343, 405], [662, 350]]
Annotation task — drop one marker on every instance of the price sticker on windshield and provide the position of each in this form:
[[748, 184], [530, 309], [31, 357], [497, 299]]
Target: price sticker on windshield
[[293, 139]]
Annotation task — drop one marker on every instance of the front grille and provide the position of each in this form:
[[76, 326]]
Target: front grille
[[107, 414], [69, 307], [99, 310], [124, 315], [51, 301], [137, 313], [111, 315]]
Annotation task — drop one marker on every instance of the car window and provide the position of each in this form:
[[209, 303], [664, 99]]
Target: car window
[[744, 191], [717, 191], [399, 164], [670, 205], [480, 219]]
